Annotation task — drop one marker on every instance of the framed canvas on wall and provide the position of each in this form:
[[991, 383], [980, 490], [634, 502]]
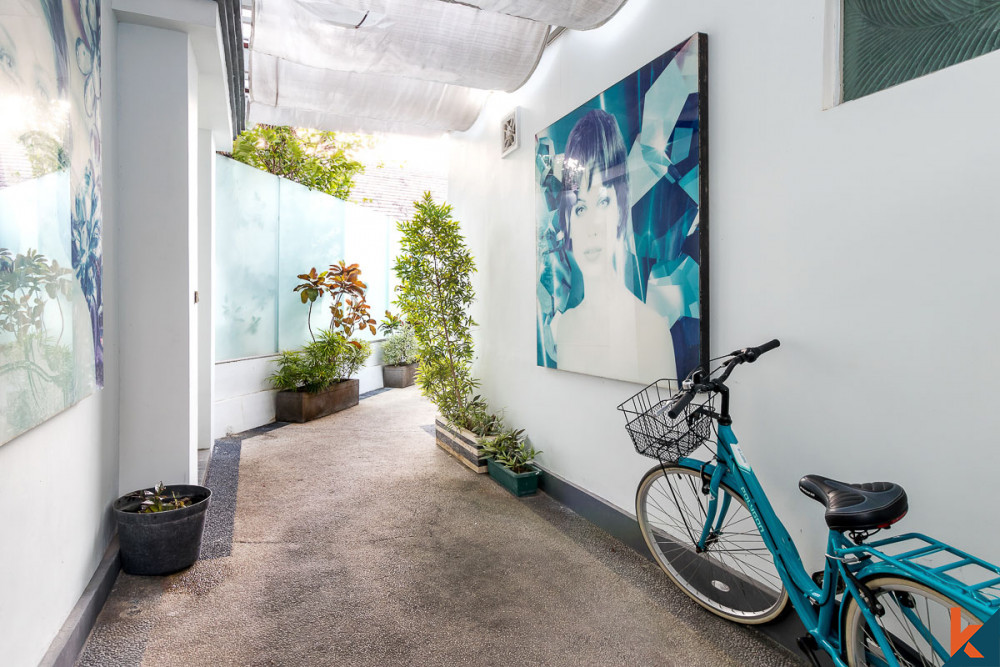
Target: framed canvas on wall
[[622, 222]]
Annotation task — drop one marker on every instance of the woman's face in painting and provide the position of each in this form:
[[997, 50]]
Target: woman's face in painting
[[594, 223]]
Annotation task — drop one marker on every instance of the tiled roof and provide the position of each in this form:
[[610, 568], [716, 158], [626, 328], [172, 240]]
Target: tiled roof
[[392, 189]]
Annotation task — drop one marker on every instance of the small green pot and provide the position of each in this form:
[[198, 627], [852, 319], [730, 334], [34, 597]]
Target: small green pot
[[518, 483]]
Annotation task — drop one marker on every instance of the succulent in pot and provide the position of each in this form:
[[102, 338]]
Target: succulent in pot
[[510, 460], [160, 528]]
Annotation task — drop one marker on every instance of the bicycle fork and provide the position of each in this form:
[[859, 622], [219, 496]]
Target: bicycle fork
[[713, 521]]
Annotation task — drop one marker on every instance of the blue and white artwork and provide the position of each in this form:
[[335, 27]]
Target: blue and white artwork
[[51, 263], [621, 225]]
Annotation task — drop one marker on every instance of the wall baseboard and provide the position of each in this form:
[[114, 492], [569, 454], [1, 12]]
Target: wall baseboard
[[65, 649], [595, 509]]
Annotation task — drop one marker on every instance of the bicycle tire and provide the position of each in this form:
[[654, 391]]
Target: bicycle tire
[[735, 577], [909, 647]]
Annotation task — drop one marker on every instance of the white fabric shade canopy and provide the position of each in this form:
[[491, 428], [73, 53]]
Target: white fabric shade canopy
[[404, 66]]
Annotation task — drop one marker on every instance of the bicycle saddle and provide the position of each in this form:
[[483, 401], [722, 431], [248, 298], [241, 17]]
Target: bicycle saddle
[[856, 506]]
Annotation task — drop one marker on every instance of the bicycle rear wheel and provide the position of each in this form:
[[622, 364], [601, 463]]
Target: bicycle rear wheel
[[917, 623], [734, 576]]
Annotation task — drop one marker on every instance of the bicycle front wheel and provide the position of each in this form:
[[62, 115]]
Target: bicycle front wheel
[[917, 623], [734, 576]]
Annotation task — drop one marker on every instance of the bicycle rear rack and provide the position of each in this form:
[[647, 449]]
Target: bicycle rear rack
[[920, 555]]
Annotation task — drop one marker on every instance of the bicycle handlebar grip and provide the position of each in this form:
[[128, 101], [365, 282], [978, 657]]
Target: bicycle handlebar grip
[[753, 352], [680, 404]]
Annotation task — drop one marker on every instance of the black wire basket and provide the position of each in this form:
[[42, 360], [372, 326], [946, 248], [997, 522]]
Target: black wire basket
[[655, 434]]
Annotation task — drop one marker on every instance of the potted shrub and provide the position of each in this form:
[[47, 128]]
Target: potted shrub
[[399, 352], [435, 292], [464, 435], [160, 528], [510, 461], [315, 381]]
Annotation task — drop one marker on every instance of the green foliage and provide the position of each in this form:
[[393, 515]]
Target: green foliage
[[349, 310], [390, 323], [158, 500], [510, 449], [313, 288], [400, 348], [318, 160], [477, 418], [321, 363], [435, 273]]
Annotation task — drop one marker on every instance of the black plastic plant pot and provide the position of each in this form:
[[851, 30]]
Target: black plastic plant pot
[[161, 542], [518, 483]]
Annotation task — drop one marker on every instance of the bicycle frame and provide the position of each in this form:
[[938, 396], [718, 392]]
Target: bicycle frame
[[845, 561]]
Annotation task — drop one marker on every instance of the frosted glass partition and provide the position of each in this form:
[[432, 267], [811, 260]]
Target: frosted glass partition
[[246, 261], [312, 236], [366, 236], [269, 230]]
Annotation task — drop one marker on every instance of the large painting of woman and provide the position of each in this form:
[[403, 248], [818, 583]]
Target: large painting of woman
[[622, 226]]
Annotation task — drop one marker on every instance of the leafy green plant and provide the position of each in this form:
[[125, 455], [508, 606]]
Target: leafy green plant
[[477, 418], [510, 449], [435, 273], [321, 363], [158, 500], [316, 159], [313, 287], [390, 323], [349, 309], [400, 348]]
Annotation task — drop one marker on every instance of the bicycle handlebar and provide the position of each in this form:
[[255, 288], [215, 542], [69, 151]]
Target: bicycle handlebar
[[747, 354], [751, 354], [681, 403]]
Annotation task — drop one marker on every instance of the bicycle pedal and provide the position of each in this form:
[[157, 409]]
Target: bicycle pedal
[[807, 644]]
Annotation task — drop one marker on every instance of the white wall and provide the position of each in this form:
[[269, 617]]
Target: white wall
[[206, 285], [158, 207], [50, 547], [862, 236]]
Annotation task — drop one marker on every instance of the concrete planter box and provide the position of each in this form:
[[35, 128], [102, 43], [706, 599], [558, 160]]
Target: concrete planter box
[[303, 406], [398, 377], [161, 542], [460, 443], [518, 483]]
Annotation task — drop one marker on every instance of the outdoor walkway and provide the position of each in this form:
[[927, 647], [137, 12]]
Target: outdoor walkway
[[354, 540]]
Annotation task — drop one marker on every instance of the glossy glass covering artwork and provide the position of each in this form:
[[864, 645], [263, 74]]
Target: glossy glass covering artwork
[[51, 308], [621, 205]]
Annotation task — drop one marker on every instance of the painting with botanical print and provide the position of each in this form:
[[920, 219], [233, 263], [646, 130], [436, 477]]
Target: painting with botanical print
[[51, 306], [621, 211]]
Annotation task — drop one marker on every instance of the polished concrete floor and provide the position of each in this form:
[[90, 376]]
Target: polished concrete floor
[[354, 540]]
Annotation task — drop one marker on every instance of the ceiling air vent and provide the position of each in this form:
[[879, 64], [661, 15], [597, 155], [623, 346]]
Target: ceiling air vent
[[509, 138]]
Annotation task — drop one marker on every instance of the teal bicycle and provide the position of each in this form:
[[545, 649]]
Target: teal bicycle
[[892, 602]]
